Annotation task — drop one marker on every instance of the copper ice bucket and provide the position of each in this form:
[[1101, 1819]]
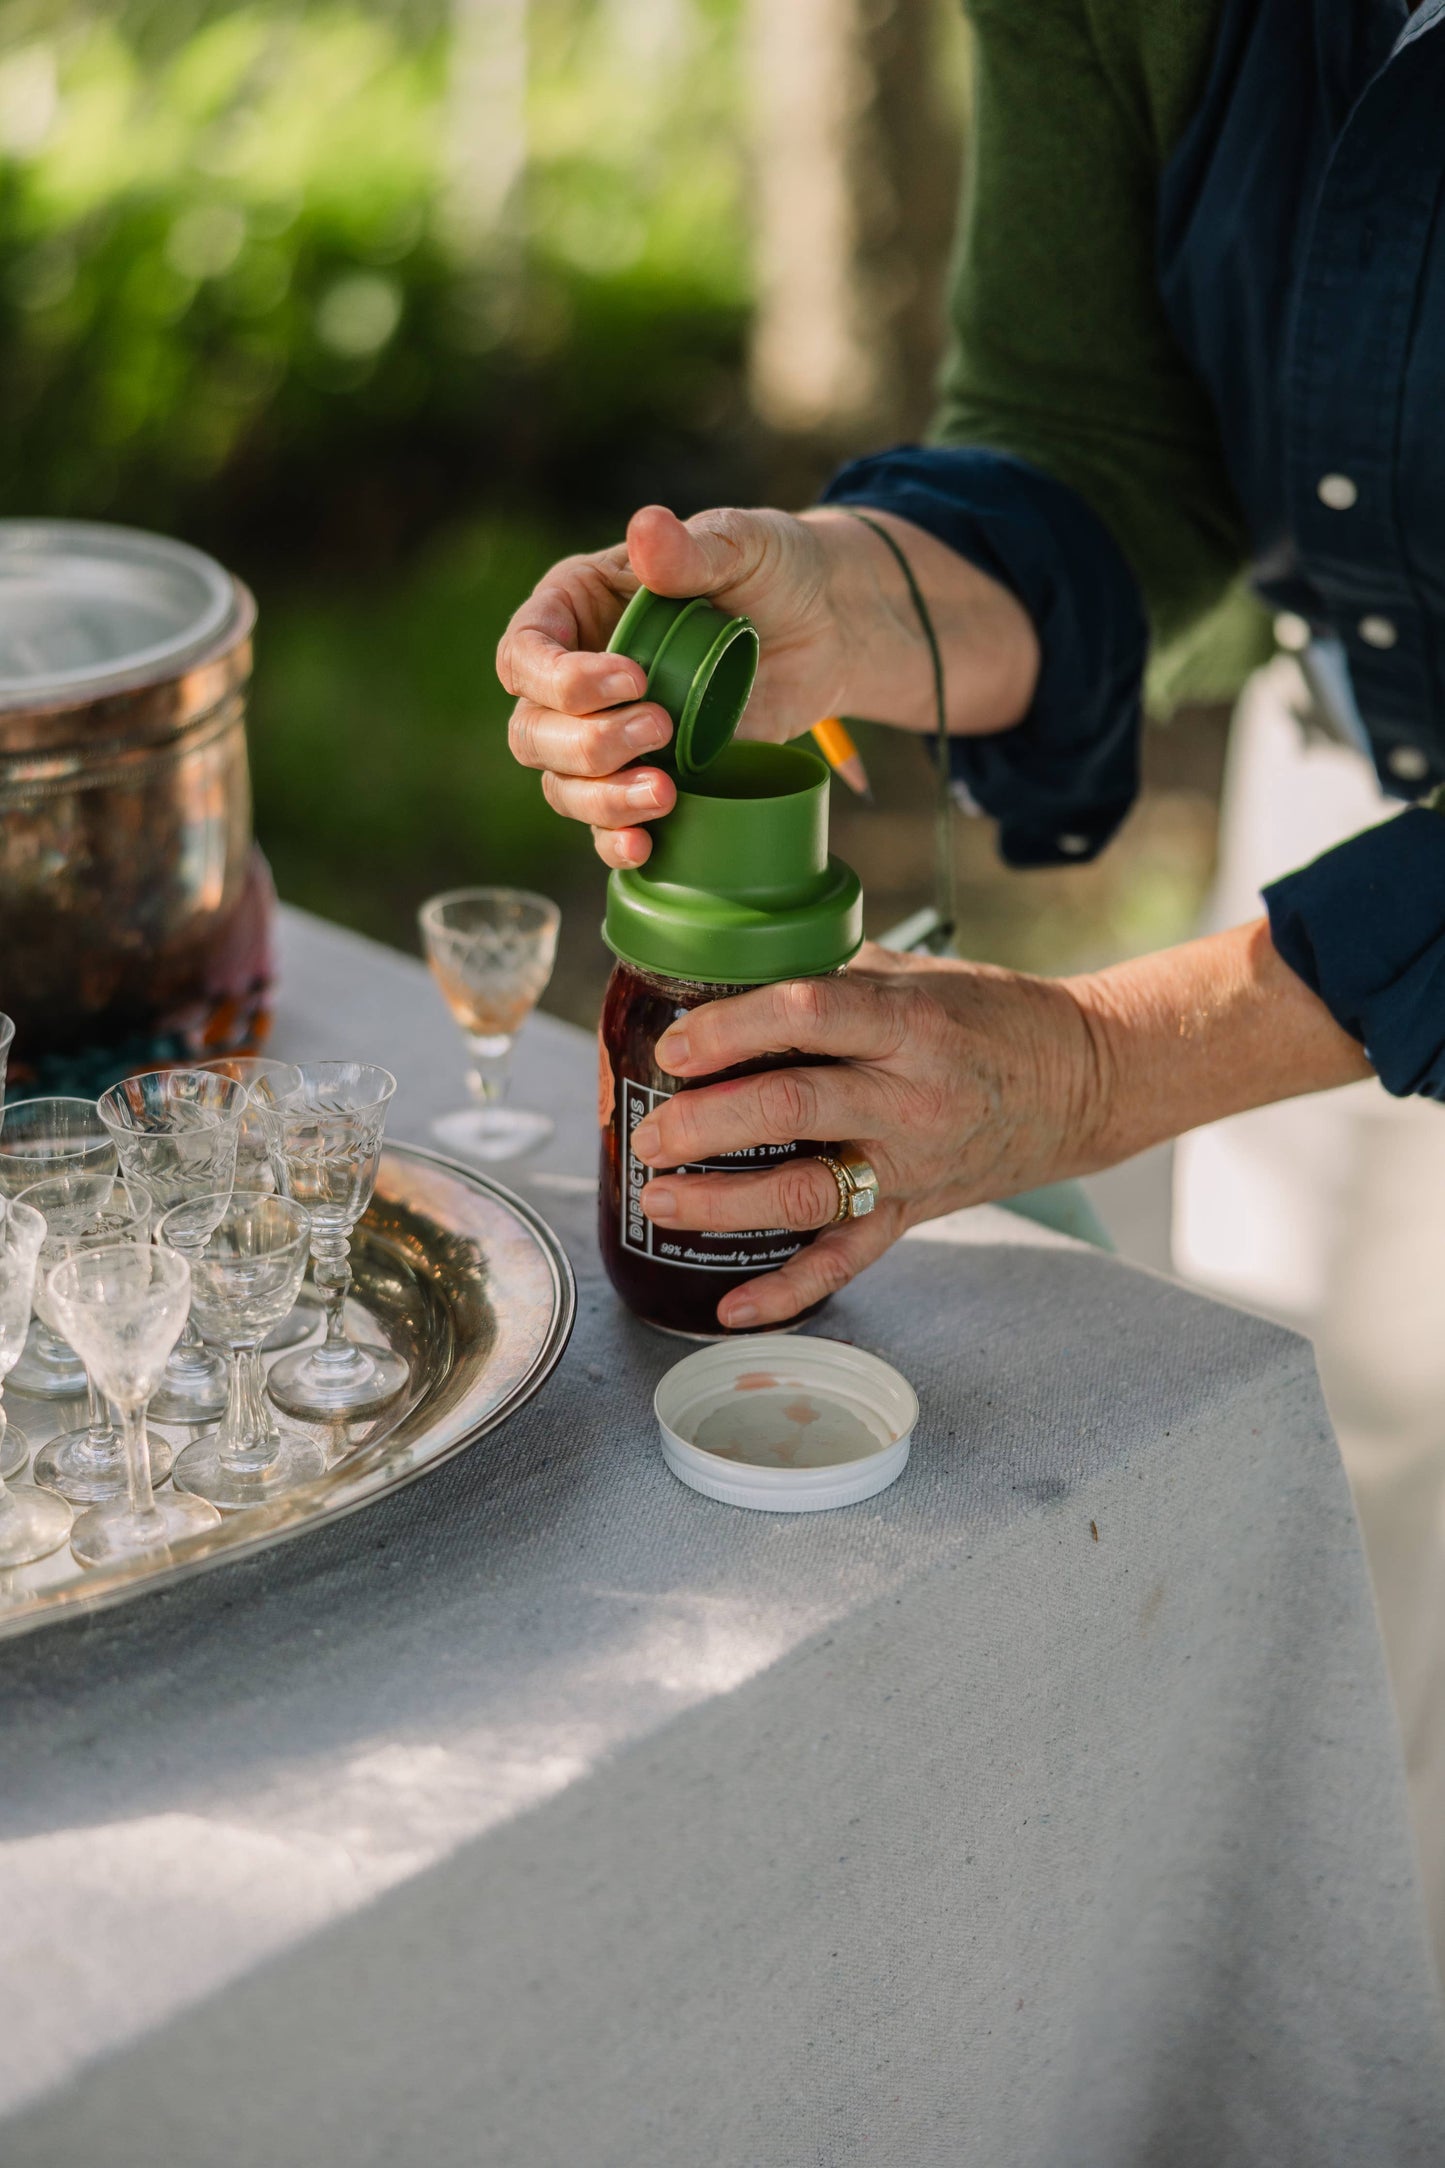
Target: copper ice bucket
[[134, 910]]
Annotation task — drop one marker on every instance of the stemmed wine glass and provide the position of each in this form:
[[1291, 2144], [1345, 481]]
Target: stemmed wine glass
[[254, 1171], [32, 1523], [326, 1143], [86, 1212], [491, 952], [37, 1136], [247, 1254], [122, 1307], [177, 1131]]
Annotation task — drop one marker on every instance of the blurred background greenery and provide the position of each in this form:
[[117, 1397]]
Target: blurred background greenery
[[391, 304]]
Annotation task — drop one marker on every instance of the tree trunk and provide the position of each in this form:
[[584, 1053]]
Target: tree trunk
[[856, 161], [487, 122]]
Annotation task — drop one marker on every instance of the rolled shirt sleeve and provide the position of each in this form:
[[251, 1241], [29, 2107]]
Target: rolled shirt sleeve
[[1060, 782], [1364, 927]]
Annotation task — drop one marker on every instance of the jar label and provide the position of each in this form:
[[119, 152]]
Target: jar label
[[757, 1251]]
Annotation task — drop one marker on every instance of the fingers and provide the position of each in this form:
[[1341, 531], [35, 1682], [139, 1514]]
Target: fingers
[[706, 555], [588, 745], [550, 650], [837, 1256], [533, 666], [641, 795], [622, 846], [801, 1193], [863, 1019], [783, 1106]]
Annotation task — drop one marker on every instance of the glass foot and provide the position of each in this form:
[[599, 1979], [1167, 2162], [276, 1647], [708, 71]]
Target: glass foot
[[193, 1389], [300, 1321], [325, 1383], [14, 1451], [111, 1533], [88, 1468], [47, 1369], [203, 1469], [32, 1525], [492, 1132]]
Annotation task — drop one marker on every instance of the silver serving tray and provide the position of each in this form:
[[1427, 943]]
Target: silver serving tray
[[455, 1273]]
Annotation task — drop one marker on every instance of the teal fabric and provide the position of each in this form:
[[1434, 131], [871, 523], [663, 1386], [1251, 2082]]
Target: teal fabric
[[1065, 1208]]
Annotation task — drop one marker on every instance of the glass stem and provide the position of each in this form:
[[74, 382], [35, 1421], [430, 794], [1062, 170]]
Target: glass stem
[[97, 1417], [135, 1450], [247, 1437], [189, 1357], [47, 1346], [331, 1269], [4, 1423], [190, 1351], [491, 1073]]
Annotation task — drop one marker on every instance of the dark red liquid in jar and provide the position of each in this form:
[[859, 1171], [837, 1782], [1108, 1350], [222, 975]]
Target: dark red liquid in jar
[[671, 1277]]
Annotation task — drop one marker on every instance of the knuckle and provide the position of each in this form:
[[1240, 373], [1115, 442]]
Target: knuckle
[[594, 746], [802, 1002], [678, 1127], [831, 1267], [520, 737], [800, 1194], [788, 1100]]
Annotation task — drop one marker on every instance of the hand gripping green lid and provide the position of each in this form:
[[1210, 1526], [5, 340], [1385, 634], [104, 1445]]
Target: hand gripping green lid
[[739, 889]]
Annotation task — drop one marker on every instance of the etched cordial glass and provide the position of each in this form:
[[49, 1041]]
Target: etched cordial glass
[[87, 1212], [247, 1253], [36, 1137], [122, 1307], [491, 951], [177, 1132], [32, 1522], [254, 1171], [326, 1143]]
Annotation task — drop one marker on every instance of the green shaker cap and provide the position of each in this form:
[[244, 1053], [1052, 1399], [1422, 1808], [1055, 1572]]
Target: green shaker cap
[[740, 889], [700, 666]]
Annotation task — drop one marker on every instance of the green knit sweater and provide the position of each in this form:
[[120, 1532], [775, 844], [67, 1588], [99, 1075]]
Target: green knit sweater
[[1061, 352]]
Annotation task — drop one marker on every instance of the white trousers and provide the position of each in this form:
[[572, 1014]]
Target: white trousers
[[1329, 1212]]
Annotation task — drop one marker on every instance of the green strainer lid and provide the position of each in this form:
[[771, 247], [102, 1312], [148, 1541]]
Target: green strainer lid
[[740, 889], [700, 666]]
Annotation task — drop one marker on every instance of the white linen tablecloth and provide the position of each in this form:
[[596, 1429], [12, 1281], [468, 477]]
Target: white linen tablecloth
[[1043, 1812]]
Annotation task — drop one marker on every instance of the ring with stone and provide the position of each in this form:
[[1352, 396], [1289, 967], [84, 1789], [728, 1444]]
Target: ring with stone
[[856, 1180]]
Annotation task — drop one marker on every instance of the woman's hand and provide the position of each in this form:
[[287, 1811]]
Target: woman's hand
[[962, 1083], [581, 716], [839, 635], [957, 1081]]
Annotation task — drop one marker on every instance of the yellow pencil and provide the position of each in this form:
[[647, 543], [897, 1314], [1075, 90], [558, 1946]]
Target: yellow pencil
[[841, 754]]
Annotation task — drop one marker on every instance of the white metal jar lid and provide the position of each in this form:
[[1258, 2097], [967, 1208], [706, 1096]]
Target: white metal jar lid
[[787, 1424]]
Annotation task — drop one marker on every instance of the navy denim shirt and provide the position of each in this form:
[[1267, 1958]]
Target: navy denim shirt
[[1301, 262]]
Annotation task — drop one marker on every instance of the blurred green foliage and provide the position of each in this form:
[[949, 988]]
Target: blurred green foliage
[[378, 739], [235, 275], [243, 299]]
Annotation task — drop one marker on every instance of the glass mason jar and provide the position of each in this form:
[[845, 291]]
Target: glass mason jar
[[672, 1277]]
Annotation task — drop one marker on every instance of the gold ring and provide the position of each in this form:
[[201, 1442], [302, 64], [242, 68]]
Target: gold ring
[[857, 1183]]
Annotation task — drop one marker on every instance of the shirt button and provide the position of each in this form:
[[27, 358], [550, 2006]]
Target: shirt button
[[1408, 763], [1337, 491], [1378, 631], [1072, 846]]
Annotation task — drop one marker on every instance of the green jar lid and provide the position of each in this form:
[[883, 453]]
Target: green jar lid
[[740, 889], [700, 666]]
